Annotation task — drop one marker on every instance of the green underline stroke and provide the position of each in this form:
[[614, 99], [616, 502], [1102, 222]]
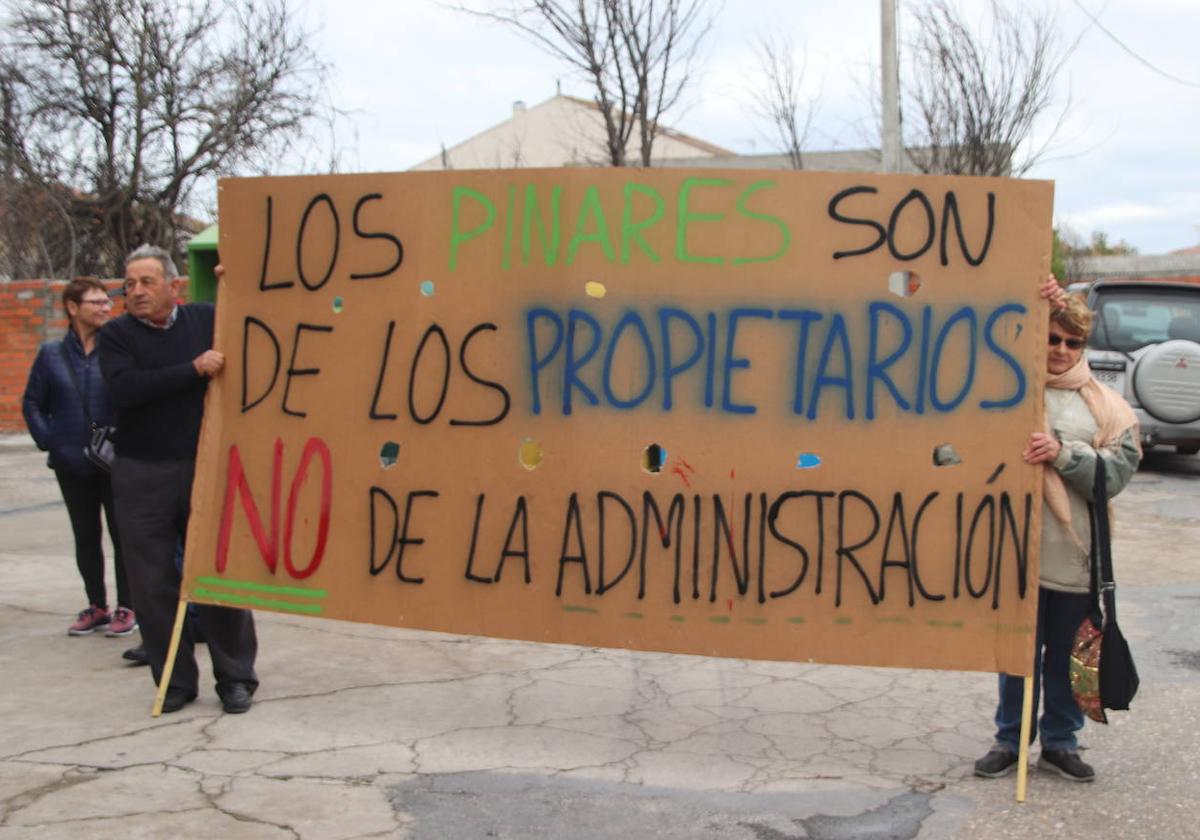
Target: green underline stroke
[[255, 601], [298, 591]]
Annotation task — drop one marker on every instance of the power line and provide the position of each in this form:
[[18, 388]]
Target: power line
[[1122, 45]]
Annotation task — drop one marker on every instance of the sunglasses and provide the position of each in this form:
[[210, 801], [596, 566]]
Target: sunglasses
[[1072, 343]]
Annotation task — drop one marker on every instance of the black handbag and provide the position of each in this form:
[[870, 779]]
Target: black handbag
[[99, 447], [1103, 675]]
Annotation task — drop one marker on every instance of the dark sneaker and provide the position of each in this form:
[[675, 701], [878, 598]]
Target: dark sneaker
[[1067, 764], [1000, 761], [235, 698], [89, 620]]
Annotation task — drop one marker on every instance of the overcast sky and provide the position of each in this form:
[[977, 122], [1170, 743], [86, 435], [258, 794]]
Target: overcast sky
[[413, 75]]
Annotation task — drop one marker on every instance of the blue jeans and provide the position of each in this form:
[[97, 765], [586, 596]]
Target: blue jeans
[[1059, 615]]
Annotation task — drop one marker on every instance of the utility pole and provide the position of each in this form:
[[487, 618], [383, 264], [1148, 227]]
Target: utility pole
[[890, 72]]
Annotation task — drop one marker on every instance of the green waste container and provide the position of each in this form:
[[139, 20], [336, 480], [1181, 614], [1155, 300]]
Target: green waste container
[[202, 259]]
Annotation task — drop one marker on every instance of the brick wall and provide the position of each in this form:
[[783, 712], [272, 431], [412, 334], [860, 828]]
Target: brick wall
[[30, 313]]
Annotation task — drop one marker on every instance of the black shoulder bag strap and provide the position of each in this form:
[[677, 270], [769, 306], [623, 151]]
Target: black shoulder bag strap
[[1103, 585], [75, 381]]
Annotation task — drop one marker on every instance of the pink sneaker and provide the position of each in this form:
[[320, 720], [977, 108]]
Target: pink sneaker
[[123, 622], [93, 618]]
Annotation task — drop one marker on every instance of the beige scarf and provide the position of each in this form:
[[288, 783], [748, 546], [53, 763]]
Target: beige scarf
[[1113, 418]]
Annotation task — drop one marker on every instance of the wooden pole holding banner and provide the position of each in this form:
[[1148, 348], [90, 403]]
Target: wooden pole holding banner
[[164, 681], [1023, 749]]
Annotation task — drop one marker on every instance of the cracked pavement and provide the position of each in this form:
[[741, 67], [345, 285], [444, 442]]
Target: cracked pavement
[[361, 731]]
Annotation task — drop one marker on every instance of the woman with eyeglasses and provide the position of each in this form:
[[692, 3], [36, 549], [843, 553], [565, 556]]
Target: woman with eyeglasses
[[1088, 427], [64, 397]]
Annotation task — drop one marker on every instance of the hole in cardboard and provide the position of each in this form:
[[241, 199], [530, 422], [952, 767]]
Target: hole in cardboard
[[595, 289], [338, 304], [904, 283], [944, 455], [654, 457], [389, 453], [530, 453], [427, 288]]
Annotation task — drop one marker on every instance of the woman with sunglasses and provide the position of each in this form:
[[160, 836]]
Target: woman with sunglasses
[[1088, 427], [64, 397]]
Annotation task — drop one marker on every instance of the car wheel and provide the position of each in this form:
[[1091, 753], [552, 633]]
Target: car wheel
[[1166, 381]]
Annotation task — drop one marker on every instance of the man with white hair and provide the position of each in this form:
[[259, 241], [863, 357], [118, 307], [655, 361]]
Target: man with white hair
[[157, 360]]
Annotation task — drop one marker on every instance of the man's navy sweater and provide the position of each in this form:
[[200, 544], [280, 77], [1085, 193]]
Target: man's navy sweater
[[158, 394]]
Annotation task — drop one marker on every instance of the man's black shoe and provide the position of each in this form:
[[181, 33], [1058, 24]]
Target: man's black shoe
[[137, 655], [176, 699], [236, 698], [1067, 764], [1000, 761]]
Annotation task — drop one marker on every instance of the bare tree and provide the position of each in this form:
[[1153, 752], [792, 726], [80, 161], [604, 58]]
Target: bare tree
[[113, 111], [637, 56], [974, 101], [777, 98]]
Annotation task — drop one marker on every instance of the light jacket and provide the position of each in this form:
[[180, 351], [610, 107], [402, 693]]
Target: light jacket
[[1065, 564]]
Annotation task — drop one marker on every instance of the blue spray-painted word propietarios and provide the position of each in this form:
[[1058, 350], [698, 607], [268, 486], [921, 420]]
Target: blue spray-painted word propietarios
[[843, 364]]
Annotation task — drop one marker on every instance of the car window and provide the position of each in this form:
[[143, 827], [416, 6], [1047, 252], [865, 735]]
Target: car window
[[1128, 319]]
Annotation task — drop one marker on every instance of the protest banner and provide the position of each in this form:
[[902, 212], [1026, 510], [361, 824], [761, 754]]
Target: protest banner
[[771, 415]]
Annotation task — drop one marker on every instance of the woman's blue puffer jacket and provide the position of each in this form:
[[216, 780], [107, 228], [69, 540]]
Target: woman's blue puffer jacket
[[52, 407]]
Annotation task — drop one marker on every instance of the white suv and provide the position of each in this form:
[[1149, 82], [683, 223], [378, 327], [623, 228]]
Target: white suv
[[1145, 345]]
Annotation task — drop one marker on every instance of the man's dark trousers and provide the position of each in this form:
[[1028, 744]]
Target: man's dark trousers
[[153, 499]]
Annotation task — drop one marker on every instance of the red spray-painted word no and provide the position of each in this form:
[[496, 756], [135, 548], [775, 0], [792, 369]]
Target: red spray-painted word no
[[236, 485]]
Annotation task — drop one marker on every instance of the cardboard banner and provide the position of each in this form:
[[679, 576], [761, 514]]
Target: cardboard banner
[[769, 415]]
